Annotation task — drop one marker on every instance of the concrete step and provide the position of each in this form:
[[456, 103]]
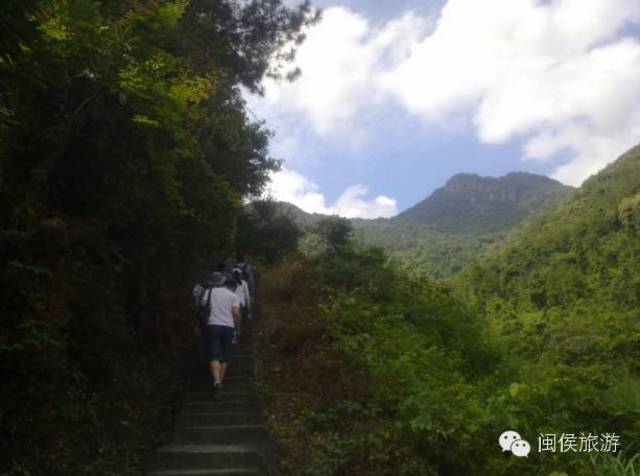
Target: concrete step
[[233, 367], [222, 395], [227, 391], [219, 418], [246, 382], [230, 368], [222, 406], [228, 379], [201, 457], [209, 379], [203, 367], [239, 374], [236, 375], [220, 434], [236, 384], [205, 384], [207, 472], [239, 368], [215, 404]]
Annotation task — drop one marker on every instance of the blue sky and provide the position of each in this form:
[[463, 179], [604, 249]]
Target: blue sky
[[397, 96]]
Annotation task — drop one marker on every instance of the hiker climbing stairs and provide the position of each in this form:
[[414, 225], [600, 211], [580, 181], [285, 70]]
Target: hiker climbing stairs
[[221, 435]]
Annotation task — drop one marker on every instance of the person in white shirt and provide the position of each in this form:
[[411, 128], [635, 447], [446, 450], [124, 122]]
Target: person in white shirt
[[249, 274], [223, 308], [197, 293], [242, 291]]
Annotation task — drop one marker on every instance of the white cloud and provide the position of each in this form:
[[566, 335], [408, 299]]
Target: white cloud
[[559, 73], [351, 204], [292, 187], [552, 71], [340, 60]]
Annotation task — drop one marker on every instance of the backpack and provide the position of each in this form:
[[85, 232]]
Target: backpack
[[204, 310]]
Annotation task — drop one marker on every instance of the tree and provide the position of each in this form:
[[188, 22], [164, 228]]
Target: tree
[[337, 231], [125, 151], [265, 231]]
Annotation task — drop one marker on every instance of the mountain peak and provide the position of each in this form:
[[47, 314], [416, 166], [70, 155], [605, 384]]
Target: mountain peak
[[469, 203], [462, 181]]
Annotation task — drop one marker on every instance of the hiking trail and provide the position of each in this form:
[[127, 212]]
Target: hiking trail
[[220, 437]]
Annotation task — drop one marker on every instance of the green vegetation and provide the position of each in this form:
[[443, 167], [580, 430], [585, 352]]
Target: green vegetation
[[265, 231], [472, 205], [381, 371], [125, 151], [125, 155], [432, 253], [456, 224], [582, 253]]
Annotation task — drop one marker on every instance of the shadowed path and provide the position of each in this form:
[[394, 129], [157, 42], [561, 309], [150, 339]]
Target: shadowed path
[[219, 437]]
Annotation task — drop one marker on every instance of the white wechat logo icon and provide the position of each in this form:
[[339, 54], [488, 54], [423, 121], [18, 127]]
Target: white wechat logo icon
[[521, 448], [512, 441], [507, 438]]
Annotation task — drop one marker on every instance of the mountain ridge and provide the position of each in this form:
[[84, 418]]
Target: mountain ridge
[[473, 204], [431, 246], [583, 253], [469, 193]]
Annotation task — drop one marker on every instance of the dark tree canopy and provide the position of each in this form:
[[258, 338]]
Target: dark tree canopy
[[125, 152], [264, 231], [335, 230]]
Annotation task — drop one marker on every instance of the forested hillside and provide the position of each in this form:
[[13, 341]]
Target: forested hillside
[[456, 224], [430, 252], [125, 151], [381, 371], [424, 250], [472, 205], [583, 252]]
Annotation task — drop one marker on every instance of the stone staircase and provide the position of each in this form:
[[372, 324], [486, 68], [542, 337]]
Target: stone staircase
[[219, 437]]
